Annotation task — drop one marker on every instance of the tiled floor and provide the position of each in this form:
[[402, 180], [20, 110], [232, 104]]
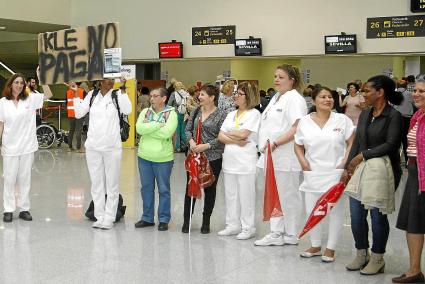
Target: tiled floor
[[60, 246]]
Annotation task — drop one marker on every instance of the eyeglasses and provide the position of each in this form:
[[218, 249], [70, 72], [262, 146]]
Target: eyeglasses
[[238, 93]]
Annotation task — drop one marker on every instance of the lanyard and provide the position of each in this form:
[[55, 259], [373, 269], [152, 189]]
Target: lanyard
[[237, 118]]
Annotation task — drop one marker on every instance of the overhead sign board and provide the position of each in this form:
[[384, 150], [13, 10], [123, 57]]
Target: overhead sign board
[[417, 6], [396, 27], [248, 47], [213, 35], [336, 44]]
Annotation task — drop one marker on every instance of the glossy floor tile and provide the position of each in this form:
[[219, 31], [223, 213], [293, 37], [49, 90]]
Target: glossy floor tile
[[60, 246]]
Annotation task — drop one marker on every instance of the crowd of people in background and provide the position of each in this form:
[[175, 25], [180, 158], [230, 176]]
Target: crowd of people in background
[[317, 138]]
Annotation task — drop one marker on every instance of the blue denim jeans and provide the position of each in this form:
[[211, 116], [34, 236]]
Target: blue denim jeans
[[360, 227], [161, 172]]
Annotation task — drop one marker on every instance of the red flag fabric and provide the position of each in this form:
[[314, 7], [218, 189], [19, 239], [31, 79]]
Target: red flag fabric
[[323, 206], [271, 206], [193, 186]]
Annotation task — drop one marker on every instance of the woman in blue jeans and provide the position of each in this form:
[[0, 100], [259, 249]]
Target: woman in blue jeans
[[378, 134], [156, 126]]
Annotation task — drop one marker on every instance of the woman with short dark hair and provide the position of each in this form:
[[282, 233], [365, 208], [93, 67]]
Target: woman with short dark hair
[[378, 135], [211, 119]]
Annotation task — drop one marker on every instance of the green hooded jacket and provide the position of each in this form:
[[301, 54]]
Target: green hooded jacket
[[156, 132]]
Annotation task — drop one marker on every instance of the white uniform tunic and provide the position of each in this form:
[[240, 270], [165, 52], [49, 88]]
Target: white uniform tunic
[[104, 127], [237, 159], [19, 144], [324, 150], [278, 118], [104, 150], [239, 172], [19, 136]]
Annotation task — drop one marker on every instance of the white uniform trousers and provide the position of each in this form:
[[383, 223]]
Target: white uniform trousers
[[240, 201], [336, 219], [290, 200], [104, 169], [17, 172]]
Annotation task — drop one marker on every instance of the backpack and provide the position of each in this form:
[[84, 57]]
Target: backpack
[[124, 125], [120, 209], [182, 107]]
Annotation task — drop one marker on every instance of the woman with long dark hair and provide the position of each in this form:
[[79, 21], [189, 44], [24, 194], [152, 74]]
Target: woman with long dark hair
[[19, 142]]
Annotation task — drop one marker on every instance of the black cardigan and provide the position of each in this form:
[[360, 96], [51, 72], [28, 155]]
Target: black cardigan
[[379, 138]]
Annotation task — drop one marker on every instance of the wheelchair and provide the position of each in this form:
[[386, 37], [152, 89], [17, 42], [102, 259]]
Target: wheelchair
[[47, 134]]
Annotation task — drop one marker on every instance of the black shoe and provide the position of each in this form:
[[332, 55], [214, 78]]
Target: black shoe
[[25, 215], [7, 217], [163, 227], [185, 228], [205, 228], [143, 224]]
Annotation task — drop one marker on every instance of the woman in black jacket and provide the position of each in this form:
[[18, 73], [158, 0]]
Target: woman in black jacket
[[378, 134]]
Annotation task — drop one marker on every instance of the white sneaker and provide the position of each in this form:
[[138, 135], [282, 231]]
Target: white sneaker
[[272, 239], [107, 225], [228, 232], [97, 224], [290, 240], [246, 234]]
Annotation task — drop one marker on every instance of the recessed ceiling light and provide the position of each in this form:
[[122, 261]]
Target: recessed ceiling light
[[2, 28]]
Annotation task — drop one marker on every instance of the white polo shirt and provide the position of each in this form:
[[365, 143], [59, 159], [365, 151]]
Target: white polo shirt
[[324, 149], [278, 118], [104, 124], [237, 159], [19, 130]]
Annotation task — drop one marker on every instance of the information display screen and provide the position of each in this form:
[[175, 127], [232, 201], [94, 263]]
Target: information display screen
[[417, 6], [335, 44], [248, 47], [170, 49], [213, 35], [396, 27]]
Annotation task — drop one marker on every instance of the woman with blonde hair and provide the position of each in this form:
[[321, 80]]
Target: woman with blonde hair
[[178, 100], [239, 133], [226, 101]]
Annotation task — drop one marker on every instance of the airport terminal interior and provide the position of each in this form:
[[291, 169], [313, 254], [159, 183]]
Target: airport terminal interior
[[332, 43]]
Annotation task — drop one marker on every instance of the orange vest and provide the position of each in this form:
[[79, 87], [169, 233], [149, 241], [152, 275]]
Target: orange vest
[[70, 100]]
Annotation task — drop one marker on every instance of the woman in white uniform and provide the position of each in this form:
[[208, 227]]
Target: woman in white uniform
[[19, 142], [322, 143], [103, 148], [239, 133], [278, 124]]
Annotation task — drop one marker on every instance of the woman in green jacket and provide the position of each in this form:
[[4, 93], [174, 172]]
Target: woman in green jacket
[[156, 126]]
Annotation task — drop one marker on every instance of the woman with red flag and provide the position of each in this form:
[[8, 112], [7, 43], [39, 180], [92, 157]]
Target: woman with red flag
[[322, 143], [239, 134], [278, 124], [211, 118]]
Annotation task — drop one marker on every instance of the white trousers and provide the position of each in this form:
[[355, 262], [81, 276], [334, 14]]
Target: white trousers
[[17, 173], [240, 201], [336, 219], [290, 201], [104, 169]]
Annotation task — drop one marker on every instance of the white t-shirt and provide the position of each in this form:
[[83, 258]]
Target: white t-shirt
[[104, 124], [19, 134], [278, 118], [237, 159], [324, 149]]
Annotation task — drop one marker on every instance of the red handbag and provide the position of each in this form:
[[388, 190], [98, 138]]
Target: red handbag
[[205, 175]]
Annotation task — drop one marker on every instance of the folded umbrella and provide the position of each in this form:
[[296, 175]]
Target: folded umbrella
[[323, 206]]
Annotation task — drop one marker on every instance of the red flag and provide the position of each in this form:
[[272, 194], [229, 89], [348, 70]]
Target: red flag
[[272, 206], [323, 206]]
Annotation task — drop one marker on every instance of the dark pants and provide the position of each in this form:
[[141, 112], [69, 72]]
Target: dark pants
[[405, 130], [75, 126], [210, 193], [360, 227]]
